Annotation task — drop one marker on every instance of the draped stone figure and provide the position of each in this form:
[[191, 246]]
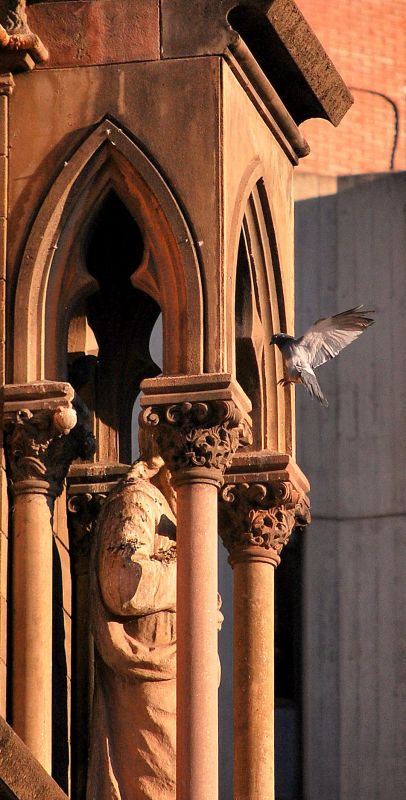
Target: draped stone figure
[[133, 596]]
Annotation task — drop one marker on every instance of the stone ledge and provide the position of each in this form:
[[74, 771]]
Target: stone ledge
[[265, 466], [21, 776], [194, 388]]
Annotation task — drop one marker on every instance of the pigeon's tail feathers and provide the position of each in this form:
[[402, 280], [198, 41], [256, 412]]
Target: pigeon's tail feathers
[[311, 383]]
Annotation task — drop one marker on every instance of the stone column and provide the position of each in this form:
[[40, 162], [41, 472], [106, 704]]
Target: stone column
[[6, 89], [88, 486], [42, 438], [198, 424], [262, 501]]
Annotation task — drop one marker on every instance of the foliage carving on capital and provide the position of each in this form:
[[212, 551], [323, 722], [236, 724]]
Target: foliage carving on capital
[[260, 515], [83, 512], [196, 434], [42, 444]]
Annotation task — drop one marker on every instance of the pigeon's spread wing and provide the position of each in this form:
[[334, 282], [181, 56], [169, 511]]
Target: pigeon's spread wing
[[326, 337]]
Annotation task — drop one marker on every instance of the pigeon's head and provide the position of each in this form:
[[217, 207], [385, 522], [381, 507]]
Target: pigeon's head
[[281, 338]]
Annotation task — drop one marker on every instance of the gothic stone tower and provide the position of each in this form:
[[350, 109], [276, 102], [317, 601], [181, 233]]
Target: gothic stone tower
[[147, 157]]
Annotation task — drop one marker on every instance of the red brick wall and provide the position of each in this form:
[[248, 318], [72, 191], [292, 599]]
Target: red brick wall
[[366, 41]]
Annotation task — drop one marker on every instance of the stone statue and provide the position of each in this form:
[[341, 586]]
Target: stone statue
[[133, 595]]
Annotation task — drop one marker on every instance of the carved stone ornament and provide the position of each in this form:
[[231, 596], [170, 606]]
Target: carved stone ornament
[[83, 512], [13, 16], [193, 435], [42, 444], [15, 34], [257, 519]]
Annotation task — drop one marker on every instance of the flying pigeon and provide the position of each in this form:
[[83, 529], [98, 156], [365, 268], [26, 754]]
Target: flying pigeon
[[322, 341]]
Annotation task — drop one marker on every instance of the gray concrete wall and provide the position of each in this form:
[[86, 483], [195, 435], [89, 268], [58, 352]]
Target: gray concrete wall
[[350, 249]]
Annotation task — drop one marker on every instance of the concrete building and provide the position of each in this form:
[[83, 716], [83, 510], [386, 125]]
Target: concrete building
[[350, 244]]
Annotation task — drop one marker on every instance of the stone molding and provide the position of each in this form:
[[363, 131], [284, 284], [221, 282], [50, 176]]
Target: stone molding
[[198, 426], [286, 43], [259, 508], [20, 48], [45, 430]]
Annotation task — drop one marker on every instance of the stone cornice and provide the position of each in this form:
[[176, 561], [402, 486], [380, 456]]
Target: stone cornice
[[280, 40]]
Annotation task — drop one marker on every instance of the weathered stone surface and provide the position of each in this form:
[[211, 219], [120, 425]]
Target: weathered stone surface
[[89, 32], [184, 98], [133, 598], [79, 32]]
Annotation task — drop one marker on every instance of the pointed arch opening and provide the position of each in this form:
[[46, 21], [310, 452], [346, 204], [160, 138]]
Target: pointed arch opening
[[259, 312], [54, 277], [109, 332], [249, 341]]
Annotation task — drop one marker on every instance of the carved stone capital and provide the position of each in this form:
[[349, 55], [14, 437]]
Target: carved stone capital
[[6, 84], [257, 516], [190, 436], [43, 437], [198, 435], [19, 46], [88, 487], [83, 512]]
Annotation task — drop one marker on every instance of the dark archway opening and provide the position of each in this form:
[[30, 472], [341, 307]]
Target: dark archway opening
[[247, 367], [121, 319]]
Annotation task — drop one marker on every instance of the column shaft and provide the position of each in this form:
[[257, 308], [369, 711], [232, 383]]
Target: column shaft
[[261, 503], [82, 683], [41, 443], [198, 422], [197, 658], [32, 623], [254, 681]]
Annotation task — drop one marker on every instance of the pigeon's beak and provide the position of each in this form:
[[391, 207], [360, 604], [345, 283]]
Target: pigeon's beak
[[273, 340]]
